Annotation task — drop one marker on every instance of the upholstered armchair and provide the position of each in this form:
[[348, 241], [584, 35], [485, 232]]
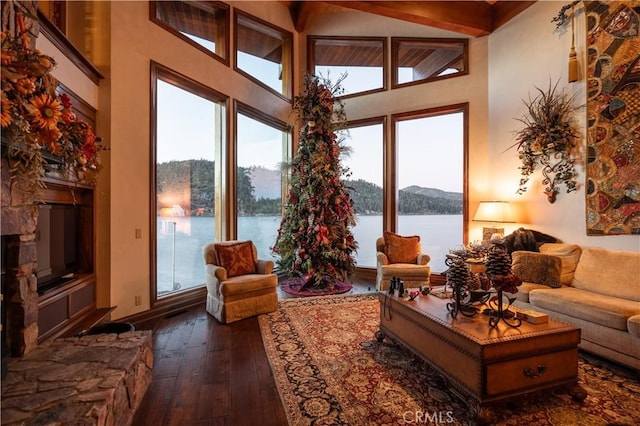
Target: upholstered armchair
[[401, 257], [239, 285]]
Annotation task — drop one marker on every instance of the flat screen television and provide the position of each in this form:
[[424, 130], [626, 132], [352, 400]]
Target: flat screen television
[[56, 245]]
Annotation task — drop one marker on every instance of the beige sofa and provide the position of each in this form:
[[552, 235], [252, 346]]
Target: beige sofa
[[595, 289]]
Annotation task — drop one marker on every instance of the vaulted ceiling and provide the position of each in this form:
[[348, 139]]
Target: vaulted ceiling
[[474, 18]]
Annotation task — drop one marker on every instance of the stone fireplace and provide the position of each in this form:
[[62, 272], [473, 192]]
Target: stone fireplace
[[94, 379], [19, 283], [35, 313]]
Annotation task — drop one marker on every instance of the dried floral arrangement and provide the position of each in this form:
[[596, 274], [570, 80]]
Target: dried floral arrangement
[[549, 140], [38, 125]]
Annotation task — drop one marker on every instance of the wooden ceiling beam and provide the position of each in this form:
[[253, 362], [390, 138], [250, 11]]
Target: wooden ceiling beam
[[503, 11], [474, 18], [465, 17], [301, 11]]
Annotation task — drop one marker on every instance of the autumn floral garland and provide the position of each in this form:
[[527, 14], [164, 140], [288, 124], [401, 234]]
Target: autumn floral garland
[[37, 123]]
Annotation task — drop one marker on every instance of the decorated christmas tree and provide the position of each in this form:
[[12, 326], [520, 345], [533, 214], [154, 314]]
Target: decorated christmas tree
[[314, 241]]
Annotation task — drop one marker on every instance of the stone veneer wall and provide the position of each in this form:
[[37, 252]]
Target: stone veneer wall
[[90, 380], [19, 219]]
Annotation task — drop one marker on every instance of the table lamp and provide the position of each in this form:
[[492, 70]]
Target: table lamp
[[494, 212]]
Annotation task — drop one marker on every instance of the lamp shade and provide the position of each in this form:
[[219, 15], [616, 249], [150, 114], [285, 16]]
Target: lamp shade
[[494, 211]]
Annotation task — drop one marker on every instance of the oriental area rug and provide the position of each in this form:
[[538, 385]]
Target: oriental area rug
[[295, 286], [330, 370]]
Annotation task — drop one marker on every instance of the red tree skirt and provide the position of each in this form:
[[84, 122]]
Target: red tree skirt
[[294, 286]]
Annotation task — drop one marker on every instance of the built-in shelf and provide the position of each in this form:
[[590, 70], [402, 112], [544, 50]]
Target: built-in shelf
[[71, 305]]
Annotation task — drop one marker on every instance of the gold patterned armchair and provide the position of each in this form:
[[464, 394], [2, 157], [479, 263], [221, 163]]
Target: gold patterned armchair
[[239, 285], [401, 257]]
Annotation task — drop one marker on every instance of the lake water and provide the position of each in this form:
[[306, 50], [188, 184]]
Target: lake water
[[180, 242]]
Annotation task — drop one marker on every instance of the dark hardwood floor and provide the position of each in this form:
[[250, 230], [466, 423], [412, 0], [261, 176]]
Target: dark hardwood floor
[[207, 373]]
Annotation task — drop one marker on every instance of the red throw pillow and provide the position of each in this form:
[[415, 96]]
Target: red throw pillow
[[401, 249], [236, 258]]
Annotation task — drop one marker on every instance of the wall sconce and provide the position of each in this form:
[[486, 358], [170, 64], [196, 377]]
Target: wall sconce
[[494, 212]]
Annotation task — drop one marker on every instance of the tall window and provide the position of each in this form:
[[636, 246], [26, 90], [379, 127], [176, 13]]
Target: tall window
[[361, 59], [203, 24], [186, 140], [416, 60], [262, 144], [364, 159], [264, 53], [431, 178]]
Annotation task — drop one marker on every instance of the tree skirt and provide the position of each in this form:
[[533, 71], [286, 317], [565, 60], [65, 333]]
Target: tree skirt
[[293, 286], [330, 370]]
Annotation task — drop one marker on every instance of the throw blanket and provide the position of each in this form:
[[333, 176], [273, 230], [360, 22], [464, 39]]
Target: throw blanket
[[527, 239]]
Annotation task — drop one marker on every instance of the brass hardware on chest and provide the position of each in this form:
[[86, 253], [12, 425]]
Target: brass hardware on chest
[[529, 372]]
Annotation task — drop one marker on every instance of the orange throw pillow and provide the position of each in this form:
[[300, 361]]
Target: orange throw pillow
[[236, 258], [401, 249]]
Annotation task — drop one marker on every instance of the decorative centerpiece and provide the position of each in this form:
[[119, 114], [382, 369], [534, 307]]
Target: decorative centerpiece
[[503, 280], [548, 139], [467, 295]]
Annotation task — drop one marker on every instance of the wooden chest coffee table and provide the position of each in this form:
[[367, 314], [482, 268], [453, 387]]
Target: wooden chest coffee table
[[483, 365]]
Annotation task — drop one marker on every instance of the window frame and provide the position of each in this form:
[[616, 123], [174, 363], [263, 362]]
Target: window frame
[[381, 120], [287, 153], [205, 4], [311, 47], [287, 51], [395, 45], [391, 181], [169, 76]]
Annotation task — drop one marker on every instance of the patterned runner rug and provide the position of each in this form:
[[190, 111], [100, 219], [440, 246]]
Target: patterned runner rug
[[330, 370]]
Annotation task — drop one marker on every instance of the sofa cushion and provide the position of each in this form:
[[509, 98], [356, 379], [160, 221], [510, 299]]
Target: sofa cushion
[[241, 286], [236, 258], [536, 268], [609, 272], [406, 271], [569, 255], [401, 249], [523, 291], [633, 325], [608, 311]]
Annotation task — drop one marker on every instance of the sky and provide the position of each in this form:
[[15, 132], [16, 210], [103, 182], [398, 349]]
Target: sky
[[430, 150]]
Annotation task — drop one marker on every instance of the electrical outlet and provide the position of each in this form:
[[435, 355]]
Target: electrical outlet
[[138, 234], [138, 300]]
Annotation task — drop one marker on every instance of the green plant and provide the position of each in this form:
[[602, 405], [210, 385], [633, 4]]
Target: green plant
[[548, 139]]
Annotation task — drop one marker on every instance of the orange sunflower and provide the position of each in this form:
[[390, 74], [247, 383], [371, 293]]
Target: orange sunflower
[[5, 114], [46, 111]]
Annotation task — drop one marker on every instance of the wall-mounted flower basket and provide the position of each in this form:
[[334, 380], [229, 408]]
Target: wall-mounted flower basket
[[548, 140]]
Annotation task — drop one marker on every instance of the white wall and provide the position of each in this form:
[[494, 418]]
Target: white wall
[[526, 53]]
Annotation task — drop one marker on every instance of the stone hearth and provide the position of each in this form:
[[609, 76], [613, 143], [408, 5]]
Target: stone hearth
[[90, 380]]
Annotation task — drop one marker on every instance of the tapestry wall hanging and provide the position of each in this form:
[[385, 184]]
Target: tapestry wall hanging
[[613, 114]]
